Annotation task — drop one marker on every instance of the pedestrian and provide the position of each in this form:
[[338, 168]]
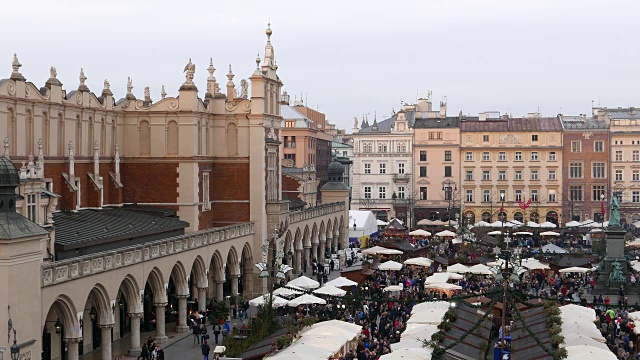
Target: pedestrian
[[203, 334], [196, 334], [216, 332], [145, 352], [205, 350]]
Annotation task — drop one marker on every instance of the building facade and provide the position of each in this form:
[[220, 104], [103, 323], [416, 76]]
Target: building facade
[[585, 167], [507, 161], [344, 154], [382, 166], [624, 168]]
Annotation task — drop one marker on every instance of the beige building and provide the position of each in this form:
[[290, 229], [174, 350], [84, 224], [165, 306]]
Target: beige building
[[511, 159], [624, 161], [156, 205]]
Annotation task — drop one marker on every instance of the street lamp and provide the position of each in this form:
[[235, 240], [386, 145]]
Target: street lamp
[[58, 326], [602, 207], [93, 313], [15, 349]]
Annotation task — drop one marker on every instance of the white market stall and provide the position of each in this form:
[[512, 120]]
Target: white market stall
[[365, 225], [321, 341]]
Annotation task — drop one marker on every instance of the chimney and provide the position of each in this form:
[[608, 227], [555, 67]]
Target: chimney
[[632, 110], [284, 98]]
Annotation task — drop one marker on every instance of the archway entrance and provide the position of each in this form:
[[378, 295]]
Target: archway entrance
[[552, 217], [61, 332]]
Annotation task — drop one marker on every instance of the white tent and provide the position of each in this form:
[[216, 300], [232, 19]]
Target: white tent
[[289, 290], [516, 222], [548, 225], [425, 222], [398, 287], [366, 223], [408, 353], [264, 299], [420, 261], [573, 224], [582, 340], [390, 252], [457, 268], [320, 342], [480, 269], [330, 290], [534, 264], [549, 233], [581, 352], [442, 277], [443, 286], [374, 250], [572, 310], [575, 269], [497, 224], [306, 299], [304, 282], [390, 265], [494, 232], [379, 222], [446, 233], [482, 223], [438, 222], [341, 281], [552, 248], [532, 224], [420, 232], [524, 233]]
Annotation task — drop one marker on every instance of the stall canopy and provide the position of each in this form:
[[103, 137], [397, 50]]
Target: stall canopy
[[552, 248], [575, 269], [390, 265], [446, 233], [549, 233], [320, 342], [420, 232], [420, 261], [366, 224]]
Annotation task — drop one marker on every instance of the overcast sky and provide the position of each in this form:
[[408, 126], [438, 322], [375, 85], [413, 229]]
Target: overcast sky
[[347, 57]]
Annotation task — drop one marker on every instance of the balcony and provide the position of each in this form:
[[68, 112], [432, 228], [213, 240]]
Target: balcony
[[401, 178]]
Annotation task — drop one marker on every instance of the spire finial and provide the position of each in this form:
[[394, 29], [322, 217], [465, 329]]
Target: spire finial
[[15, 65], [147, 95], [269, 31], [163, 93], [83, 78], [230, 74], [6, 147], [258, 61], [211, 69], [130, 95]]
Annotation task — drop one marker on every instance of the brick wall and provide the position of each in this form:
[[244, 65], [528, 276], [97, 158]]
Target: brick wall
[[290, 186], [149, 182], [229, 182]]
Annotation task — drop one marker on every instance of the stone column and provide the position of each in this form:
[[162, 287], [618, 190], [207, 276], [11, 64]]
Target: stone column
[[105, 343], [234, 285], [336, 244], [202, 299], [307, 256], [161, 335], [182, 314], [298, 262], [219, 293], [314, 251], [135, 333], [323, 249], [72, 348]]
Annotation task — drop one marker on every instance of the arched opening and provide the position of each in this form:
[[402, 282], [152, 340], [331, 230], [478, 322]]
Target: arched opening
[[46, 131], [154, 293], [486, 216], [30, 132], [232, 140], [635, 217], [232, 276], [469, 218], [518, 216], [246, 267], [318, 251], [534, 217], [60, 324], [127, 302], [144, 138], [198, 284], [78, 144], [97, 320], [216, 277], [12, 131], [60, 133], [172, 138], [502, 216], [552, 217]]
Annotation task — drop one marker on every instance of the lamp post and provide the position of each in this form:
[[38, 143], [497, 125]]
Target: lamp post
[[273, 269], [15, 349], [449, 187], [602, 208]]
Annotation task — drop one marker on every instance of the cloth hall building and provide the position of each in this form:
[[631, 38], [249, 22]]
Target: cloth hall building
[[114, 211]]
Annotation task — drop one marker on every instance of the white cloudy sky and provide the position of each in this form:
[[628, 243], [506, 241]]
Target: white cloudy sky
[[348, 57]]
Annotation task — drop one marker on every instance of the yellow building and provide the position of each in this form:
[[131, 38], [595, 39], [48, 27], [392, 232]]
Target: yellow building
[[505, 161]]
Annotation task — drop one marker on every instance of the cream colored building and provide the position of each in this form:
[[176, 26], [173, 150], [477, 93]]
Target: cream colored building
[[212, 161], [515, 159], [624, 161]]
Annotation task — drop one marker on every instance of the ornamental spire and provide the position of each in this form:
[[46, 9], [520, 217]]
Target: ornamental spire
[[83, 78], [15, 65]]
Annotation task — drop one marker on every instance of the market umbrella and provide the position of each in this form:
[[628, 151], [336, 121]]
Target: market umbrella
[[443, 286], [548, 225], [420, 232], [390, 252], [306, 299], [516, 222], [573, 224], [458, 268], [532, 224], [582, 340], [446, 233], [534, 264], [420, 261], [480, 269], [524, 233], [575, 269], [304, 282], [390, 265], [373, 250], [494, 232], [549, 233], [442, 277], [581, 352], [482, 224], [289, 290], [330, 290], [438, 222], [264, 300], [341, 281], [425, 222]]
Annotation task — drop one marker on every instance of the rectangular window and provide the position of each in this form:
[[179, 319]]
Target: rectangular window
[[598, 171], [534, 138], [447, 171], [502, 175], [597, 192], [206, 204], [486, 156], [534, 174], [635, 176], [486, 175], [448, 193], [518, 195], [423, 171], [502, 195], [382, 148], [635, 196], [290, 123], [576, 146], [439, 135], [552, 174], [598, 146], [367, 192], [290, 157], [485, 138], [401, 169], [469, 175], [518, 175], [423, 155], [575, 193], [534, 156], [447, 155], [552, 156], [552, 196], [31, 207], [618, 175], [432, 136], [635, 155], [618, 155], [468, 156], [502, 156], [575, 170], [469, 195], [423, 193], [382, 192], [383, 168], [534, 195], [518, 156], [367, 168], [401, 192], [486, 196]]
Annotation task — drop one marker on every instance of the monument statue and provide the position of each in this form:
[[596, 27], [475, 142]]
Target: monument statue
[[616, 275], [614, 210]]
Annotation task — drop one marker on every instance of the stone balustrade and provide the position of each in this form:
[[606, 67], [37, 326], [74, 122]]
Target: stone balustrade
[[70, 269], [316, 211]]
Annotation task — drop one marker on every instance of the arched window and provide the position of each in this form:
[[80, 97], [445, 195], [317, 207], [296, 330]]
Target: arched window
[[144, 138], [534, 217], [172, 138], [518, 216], [60, 133], [12, 131], [552, 217], [30, 134], [91, 136], [46, 130], [78, 144], [486, 216], [103, 137], [232, 140], [199, 125]]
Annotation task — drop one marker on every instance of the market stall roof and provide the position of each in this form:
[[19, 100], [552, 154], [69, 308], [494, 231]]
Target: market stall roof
[[549, 233], [425, 222], [330, 290], [552, 248], [458, 268], [264, 299], [306, 299], [480, 269], [390, 265], [442, 277], [304, 282], [341, 281], [575, 269], [420, 232], [548, 225], [495, 232], [482, 223], [420, 261], [524, 233], [289, 290], [534, 264], [395, 225], [573, 224], [390, 252], [443, 286], [380, 222], [532, 224], [373, 250], [446, 233]]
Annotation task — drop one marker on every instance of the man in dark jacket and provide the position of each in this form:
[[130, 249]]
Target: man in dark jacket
[[206, 350], [196, 333]]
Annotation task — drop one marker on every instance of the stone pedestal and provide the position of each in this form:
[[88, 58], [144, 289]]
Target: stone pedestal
[[615, 252]]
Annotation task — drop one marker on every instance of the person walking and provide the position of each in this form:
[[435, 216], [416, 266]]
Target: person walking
[[196, 334], [203, 333], [205, 350], [145, 352], [216, 332]]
